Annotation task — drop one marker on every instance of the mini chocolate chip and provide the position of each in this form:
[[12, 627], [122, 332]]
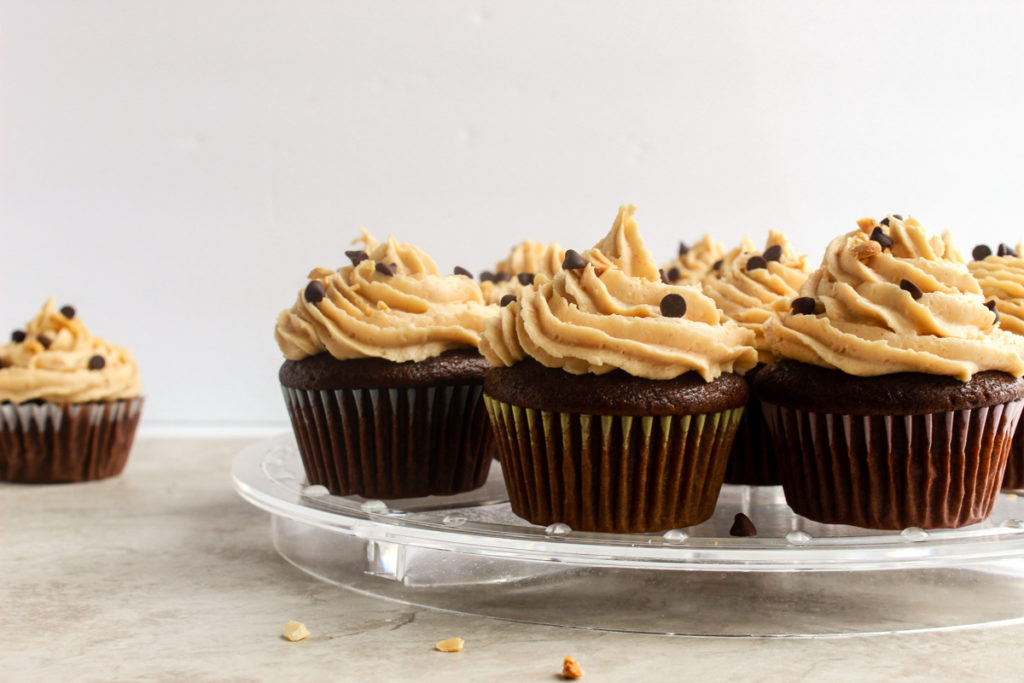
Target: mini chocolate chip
[[486, 276], [18, 336], [981, 252], [315, 292], [991, 305], [507, 299], [68, 312], [502, 276], [663, 276], [742, 526], [884, 221], [573, 260], [2, 364], [803, 305], [896, 216], [459, 270], [879, 236], [914, 290], [357, 256], [756, 262], [386, 268], [673, 306], [525, 279], [684, 249], [673, 274], [97, 363], [717, 265], [1003, 250], [44, 340], [773, 253]]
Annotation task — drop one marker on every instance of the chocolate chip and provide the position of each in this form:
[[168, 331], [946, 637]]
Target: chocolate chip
[[388, 269], [2, 364], [756, 262], [717, 265], [742, 526], [673, 274], [18, 336], [507, 299], [486, 276], [1003, 250], [991, 305], [68, 312], [673, 306], [884, 221], [879, 236], [97, 363], [502, 276], [315, 292], [525, 279], [357, 256], [773, 253], [914, 290], [573, 260], [663, 276], [44, 340], [684, 249], [896, 216], [981, 252], [459, 270], [803, 305]]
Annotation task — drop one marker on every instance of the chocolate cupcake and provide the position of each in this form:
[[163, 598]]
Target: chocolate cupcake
[[693, 262], [526, 260], [69, 401], [901, 395], [744, 287], [383, 380], [1001, 277], [614, 397]]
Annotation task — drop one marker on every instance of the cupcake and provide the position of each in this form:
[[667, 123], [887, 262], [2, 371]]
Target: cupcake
[[70, 402], [383, 378], [692, 263], [744, 287], [1001, 277], [900, 393], [614, 396], [526, 260]]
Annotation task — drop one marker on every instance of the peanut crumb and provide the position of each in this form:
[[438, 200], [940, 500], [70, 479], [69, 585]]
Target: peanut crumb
[[450, 645], [866, 250], [295, 630], [867, 224], [571, 668], [319, 272], [382, 306]]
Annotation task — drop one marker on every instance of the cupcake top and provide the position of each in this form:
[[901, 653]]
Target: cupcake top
[[748, 282], [608, 309], [1001, 276], [390, 303], [526, 260], [694, 262], [56, 359], [887, 299]]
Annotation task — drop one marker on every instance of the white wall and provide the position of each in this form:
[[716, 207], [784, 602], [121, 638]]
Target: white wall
[[174, 169]]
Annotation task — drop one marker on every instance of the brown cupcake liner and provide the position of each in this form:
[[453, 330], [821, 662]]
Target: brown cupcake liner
[[49, 443], [935, 470], [1013, 478], [393, 443], [612, 473], [752, 461]]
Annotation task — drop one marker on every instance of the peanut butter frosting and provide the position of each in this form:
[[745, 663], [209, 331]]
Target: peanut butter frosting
[[56, 359], [614, 312], [1002, 279], [526, 259], [889, 298], [748, 282], [694, 262], [390, 303]]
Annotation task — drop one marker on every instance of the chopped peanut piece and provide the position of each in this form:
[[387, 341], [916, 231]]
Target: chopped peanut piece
[[866, 250], [320, 272], [450, 645], [571, 668], [295, 630], [867, 224]]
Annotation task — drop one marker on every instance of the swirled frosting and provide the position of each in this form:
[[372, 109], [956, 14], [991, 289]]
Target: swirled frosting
[[58, 360], [607, 315], [902, 308], [1002, 279], [366, 312], [694, 262], [746, 294], [535, 258]]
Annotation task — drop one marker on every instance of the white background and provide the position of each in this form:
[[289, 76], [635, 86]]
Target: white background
[[174, 169]]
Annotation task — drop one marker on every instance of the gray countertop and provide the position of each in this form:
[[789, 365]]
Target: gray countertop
[[164, 573]]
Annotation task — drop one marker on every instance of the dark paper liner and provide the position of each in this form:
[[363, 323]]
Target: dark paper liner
[[752, 460], [1013, 478], [934, 471], [393, 443], [50, 443], [615, 474]]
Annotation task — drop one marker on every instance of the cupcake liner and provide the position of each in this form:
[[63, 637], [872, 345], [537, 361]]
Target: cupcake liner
[[392, 443], [752, 461], [612, 473], [44, 443], [1013, 478], [935, 470]]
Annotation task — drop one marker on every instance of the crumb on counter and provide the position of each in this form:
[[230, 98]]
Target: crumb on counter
[[295, 630], [571, 668], [450, 645]]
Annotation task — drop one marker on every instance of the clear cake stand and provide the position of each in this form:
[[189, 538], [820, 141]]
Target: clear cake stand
[[469, 554]]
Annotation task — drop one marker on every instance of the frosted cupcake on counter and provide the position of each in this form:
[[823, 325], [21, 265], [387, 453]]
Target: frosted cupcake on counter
[[692, 263], [900, 394], [383, 378], [526, 260], [70, 401], [615, 396], [744, 288]]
